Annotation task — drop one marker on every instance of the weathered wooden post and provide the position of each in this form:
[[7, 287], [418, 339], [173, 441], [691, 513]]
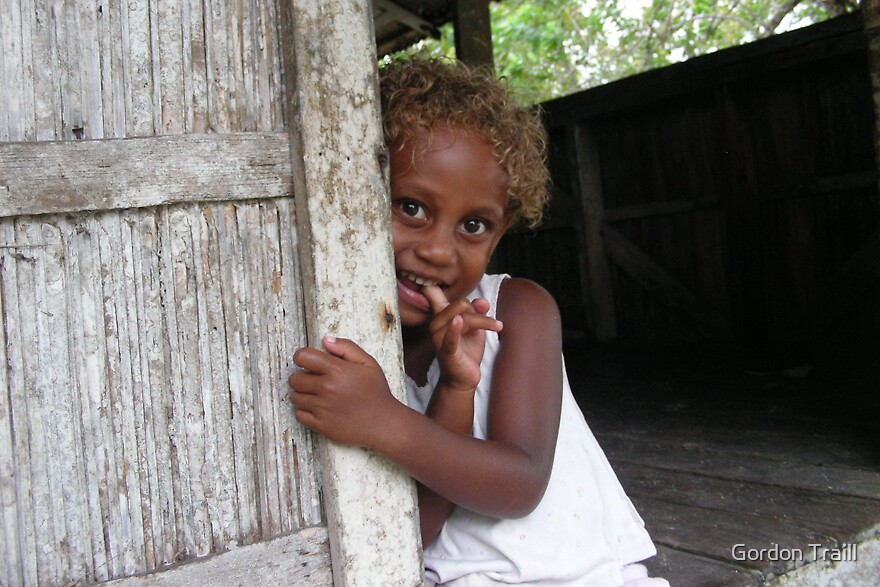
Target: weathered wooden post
[[341, 163]]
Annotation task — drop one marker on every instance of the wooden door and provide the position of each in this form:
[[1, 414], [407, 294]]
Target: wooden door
[[189, 191]]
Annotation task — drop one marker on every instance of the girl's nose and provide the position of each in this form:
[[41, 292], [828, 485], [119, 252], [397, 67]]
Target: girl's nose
[[436, 248]]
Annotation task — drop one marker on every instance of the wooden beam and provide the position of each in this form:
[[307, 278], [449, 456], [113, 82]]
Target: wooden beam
[[857, 276], [473, 32], [69, 176], [301, 558], [595, 272], [344, 217], [390, 12], [649, 209], [655, 279]]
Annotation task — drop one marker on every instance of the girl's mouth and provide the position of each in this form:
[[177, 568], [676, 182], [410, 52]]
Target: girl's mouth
[[409, 290]]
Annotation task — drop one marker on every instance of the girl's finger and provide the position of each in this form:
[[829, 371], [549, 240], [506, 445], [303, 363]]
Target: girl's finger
[[480, 305], [303, 382], [347, 350], [452, 337], [302, 401], [436, 298], [442, 319], [313, 360], [480, 322]]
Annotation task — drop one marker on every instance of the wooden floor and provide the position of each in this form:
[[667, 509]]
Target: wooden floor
[[716, 452]]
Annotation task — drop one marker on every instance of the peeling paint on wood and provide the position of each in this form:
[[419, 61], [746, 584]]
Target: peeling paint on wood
[[295, 559], [71, 176], [344, 217], [144, 410], [152, 298]]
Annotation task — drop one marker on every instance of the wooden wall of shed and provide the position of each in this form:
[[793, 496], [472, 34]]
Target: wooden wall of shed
[[145, 349], [743, 182]]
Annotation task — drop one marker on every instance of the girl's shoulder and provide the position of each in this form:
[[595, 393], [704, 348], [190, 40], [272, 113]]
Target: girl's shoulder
[[522, 303]]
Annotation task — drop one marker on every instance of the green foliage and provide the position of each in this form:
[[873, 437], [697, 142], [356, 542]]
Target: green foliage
[[555, 47]]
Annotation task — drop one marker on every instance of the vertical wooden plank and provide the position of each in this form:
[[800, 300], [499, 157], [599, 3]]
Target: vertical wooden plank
[[598, 289], [219, 449], [13, 523], [263, 65], [217, 65], [11, 71], [112, 48], [235, 98], [38, 383], [255, 278], [168, 55], [64, 458], [140, 67], [240, 390], [133, 431], [67, 33], [187, 383], [28, 93], [125, 491], [744, 218], [343, 216], [90, 368], [197, 94], [156, 353], [273, 101], [300, 459], [247, 99], [473, 32], [271, 294], [44, 64], [92, 107]]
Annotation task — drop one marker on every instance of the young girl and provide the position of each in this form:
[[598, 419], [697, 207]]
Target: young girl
[[513, 487]]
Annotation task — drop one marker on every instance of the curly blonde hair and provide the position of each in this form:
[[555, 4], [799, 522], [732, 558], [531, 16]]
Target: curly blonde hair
[[419, 94]]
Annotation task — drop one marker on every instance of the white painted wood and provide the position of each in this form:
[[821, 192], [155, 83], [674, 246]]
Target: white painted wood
[[344, 217], [144, 405], [152, 298], [294, 559], [71, 176], [114, 69]]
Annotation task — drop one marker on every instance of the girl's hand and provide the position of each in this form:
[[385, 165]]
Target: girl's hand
[[458, 331], [342, 394]]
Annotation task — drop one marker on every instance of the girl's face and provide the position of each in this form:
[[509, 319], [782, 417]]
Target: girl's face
[[449, 210]]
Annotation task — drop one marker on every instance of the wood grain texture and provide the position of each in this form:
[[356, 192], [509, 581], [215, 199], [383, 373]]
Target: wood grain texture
[[144, 405], [71, 176], [108, 69], [340, 167]]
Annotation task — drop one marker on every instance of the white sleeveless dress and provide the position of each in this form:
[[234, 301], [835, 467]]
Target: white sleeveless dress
[[585, 532]]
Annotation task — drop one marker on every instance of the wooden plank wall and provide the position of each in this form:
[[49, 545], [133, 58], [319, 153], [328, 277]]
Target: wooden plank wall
[[109, 69], [143, 418], [738, 193]]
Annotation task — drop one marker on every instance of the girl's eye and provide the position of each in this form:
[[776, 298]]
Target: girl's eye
[[412, 209], [474, 226]]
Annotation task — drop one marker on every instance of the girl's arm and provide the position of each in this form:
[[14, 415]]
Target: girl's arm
[[454, 410], [344, 396]]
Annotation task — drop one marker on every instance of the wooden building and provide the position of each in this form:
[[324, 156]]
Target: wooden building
[[714, 244]]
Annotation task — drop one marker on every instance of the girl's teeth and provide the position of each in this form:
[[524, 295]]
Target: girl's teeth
[[419, 280]]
